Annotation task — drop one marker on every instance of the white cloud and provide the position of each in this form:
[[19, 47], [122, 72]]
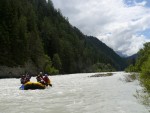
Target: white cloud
[[112, 21]]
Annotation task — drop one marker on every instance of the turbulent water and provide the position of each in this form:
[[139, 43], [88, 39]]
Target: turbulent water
[[76, 93]]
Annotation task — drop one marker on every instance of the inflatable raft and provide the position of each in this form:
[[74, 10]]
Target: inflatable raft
[[32, 85]]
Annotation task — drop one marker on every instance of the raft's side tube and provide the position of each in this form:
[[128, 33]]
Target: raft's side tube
[[33, 85]]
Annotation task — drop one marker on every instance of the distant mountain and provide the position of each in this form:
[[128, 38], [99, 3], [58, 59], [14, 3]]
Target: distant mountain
[[33, 33], [121, 54], [108, 53], [131, 59], [134, 56]]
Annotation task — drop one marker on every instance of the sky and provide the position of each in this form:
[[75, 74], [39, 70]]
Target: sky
[[123, 25]]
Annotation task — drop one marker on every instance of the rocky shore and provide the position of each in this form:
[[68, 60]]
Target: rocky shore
[[16, 72], [102, 75], [11, 72]]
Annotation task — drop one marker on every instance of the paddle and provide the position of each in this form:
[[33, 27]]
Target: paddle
[[21, 87]]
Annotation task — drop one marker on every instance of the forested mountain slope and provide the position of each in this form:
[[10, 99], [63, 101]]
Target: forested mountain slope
[[34, 32]]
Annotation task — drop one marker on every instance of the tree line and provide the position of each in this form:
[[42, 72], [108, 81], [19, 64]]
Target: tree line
[[142, 65], [34, 32]]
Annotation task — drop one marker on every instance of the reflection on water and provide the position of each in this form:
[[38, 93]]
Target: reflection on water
[[76, 93]]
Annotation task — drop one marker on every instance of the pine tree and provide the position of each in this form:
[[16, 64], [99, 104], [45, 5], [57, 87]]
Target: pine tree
[[57, 62]]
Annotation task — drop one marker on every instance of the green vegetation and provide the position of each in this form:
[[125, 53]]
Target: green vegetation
[[131, 77], [143, 97], [34, 32], [142, 65]]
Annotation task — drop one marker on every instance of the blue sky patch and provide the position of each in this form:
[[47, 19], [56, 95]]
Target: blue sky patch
[[146, 33], [132, 2]]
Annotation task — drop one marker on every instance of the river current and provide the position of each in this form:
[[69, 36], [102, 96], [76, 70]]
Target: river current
[[75, 93]]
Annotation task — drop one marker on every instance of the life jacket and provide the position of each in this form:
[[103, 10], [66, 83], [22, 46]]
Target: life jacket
[[47, 80]]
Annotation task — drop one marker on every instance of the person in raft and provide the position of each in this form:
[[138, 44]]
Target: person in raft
[[40, 79], [25, 78], [47, 80], [22, 80]]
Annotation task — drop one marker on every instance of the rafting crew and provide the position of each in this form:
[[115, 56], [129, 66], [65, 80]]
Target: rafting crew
[[43, 79]]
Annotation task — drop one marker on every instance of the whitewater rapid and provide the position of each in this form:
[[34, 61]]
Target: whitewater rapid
[[75, 93]]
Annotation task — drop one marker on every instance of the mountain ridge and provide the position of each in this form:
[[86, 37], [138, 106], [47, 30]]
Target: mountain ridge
[[40, 35]]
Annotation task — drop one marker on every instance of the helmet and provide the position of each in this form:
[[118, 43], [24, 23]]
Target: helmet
[[46, 75]]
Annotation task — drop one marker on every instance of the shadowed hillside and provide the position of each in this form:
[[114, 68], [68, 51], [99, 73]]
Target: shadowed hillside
[[34, 34]]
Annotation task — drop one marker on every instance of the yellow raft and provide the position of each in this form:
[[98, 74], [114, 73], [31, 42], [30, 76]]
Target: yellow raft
[[33, 85]]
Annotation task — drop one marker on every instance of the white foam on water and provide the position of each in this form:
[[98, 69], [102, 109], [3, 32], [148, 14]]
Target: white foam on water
[[75, 93]]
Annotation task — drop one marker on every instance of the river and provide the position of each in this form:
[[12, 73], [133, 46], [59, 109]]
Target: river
[[75, 93]]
